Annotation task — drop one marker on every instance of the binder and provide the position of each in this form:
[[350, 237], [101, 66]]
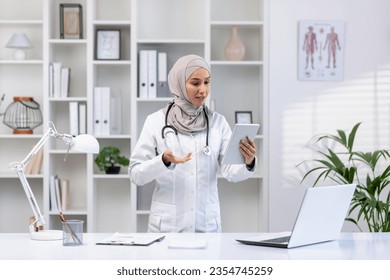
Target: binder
[[74, 118], [105, 111], [162, 76], [152, 74], [116, 115], [97, 112], [82, 118], [143, 74]]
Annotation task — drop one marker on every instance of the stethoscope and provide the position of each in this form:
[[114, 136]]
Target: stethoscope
[[206, 149]]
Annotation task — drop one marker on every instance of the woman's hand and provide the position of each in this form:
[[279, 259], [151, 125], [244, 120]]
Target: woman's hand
[[168, 157], [248, 150]]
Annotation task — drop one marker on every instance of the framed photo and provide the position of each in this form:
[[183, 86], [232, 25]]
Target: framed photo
[[243, 116], [71, 21], [108, 44]]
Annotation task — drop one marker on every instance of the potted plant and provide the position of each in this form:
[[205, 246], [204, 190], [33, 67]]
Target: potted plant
[[109, 160], [369, 170]]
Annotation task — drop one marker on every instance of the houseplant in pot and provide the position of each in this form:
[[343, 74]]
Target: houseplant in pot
[[370, 170], [109, 160]]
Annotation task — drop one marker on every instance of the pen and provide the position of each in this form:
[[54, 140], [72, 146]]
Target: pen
[[70, 230]]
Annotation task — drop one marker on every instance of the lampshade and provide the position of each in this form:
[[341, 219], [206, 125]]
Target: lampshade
[[86, 144], [19, 41], [23, 115]]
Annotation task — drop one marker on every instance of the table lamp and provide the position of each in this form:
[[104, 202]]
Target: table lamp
[[19, 42], [82, 143]]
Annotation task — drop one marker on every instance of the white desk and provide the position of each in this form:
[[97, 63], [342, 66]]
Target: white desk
[[356, 246]]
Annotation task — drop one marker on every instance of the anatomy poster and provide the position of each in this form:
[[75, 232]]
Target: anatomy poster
[[321, 50]]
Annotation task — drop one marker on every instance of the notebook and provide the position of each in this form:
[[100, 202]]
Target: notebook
[[320, 219]]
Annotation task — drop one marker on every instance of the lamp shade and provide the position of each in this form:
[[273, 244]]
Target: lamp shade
[[23, 115], [86, 144], [19, 41]]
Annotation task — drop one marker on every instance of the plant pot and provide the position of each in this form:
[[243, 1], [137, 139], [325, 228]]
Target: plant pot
[[113, 170]]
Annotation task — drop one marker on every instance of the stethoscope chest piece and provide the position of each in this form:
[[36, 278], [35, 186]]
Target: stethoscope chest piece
[[206, 150]]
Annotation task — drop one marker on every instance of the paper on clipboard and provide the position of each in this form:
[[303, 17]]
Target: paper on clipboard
[[240, 131], [127, 239]]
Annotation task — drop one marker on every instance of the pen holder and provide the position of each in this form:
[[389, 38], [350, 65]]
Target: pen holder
[[72, 232]]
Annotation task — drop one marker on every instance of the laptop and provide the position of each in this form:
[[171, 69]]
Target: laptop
[[320, 219]]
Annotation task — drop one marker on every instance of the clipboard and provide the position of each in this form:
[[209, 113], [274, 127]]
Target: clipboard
[[240, 132], [127, 239]]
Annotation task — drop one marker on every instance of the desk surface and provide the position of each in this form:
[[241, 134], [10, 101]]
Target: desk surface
[[357, 246]]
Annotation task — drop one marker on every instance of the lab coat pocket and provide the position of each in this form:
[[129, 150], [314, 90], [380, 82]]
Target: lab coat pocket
[[162, 217], [213, 218]]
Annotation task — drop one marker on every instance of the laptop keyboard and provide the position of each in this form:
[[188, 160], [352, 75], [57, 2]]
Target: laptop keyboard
[[283, 239]]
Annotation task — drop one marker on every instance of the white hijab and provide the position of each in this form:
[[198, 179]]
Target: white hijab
[[183, 115]]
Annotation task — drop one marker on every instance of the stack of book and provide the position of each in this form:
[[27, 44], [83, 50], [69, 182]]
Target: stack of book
[[77, 118], [35, 165], [59, 78], [59, 194]]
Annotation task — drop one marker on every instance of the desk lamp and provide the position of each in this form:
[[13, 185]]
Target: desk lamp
[[82, 143]]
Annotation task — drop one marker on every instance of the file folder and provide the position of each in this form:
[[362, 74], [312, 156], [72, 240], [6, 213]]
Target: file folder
[[152, 74], [105, 111], [162, 84], [143, 74], [97, 112]]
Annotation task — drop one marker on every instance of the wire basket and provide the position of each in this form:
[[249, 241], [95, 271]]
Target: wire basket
[[23, 115]]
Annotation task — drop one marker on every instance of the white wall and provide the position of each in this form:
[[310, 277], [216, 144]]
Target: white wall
[[301, 109]]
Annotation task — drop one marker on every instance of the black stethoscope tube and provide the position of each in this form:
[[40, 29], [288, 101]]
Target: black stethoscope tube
[[206, 149]]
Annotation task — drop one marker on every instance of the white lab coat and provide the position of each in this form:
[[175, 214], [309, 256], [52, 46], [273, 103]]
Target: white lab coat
[[185, 198]]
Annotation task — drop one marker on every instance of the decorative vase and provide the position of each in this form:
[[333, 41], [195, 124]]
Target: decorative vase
[[113, 170], [235, 48]]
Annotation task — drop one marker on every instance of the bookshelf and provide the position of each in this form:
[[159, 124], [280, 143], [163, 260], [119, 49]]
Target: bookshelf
[[109, 203]]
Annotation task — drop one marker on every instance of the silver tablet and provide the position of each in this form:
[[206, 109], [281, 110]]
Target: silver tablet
[[240, 131]]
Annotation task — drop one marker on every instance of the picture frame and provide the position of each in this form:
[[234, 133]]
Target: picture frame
[[243, 116], [71, 21], [108, 44]]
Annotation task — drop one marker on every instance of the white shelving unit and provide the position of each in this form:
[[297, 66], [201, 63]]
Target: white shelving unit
[[110, 203]]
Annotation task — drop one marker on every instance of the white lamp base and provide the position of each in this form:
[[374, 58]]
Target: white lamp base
[[20, 54], [46, 235]]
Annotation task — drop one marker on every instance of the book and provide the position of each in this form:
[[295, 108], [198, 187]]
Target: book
[[126, 239], [82, 118], [51, 82], [35, 164], [53, 194], [64, 194], [74, 118], [65, 78], [57, 79]]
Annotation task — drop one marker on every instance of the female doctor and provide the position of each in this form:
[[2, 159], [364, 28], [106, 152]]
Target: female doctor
[[180, 148]]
